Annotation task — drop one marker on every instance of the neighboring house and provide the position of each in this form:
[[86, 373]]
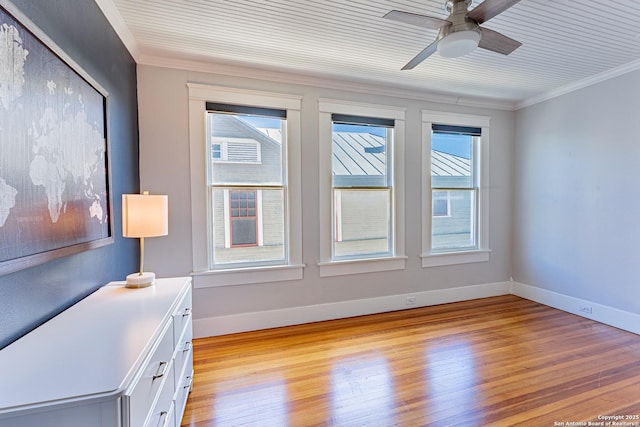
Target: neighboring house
[[359, 158], [453, 210], [246, 217], [361, 216], [242, 155]]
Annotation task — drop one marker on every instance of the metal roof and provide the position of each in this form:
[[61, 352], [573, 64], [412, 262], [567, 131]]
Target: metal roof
[[445, 164], [351, 157]]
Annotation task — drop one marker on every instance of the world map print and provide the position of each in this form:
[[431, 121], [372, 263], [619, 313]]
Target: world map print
[[53, 164]]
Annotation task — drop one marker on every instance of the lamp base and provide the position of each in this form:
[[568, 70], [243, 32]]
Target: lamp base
[[140, 280]]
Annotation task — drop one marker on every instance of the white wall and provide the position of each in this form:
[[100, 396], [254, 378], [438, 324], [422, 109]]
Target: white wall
[[576, 197], [164, 168]]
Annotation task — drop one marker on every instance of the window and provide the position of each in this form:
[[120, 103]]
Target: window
[[362, 183], [453, 185], [455, 203], [361, 193], [247, 202], [247, 228], [216, 151]]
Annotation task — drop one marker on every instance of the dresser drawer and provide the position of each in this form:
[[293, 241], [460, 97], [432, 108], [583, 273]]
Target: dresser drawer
[[184, 350], [183, 388], [162, 414], [181, 317], [163, 419], [157, 372], [105, 379]]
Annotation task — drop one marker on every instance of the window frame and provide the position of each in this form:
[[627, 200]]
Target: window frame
[[292, 269], [482, 251], [328, 266]]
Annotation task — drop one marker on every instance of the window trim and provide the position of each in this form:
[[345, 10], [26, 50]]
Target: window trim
[[199, 95], [481, 153], [328, 266]]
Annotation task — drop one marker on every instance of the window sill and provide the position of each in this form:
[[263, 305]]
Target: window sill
[[247, 276], [341, 268], [452, 258]]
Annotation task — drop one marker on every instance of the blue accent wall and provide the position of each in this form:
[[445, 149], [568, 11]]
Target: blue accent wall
[[30, 297]]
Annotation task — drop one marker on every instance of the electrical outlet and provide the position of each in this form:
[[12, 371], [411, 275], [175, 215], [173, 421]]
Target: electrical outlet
[[586, 309], [411, 300]]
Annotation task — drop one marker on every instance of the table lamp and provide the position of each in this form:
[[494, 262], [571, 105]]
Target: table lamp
[[144, 215]]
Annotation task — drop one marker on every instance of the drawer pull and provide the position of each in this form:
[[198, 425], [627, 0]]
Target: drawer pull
[[188, 381], [162, 369], [187, 346], [186, 312], [163, 414]]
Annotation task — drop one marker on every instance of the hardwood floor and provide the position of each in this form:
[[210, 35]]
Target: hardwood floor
[[500, 361]]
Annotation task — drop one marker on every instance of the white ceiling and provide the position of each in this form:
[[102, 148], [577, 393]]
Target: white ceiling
[[566, 44]]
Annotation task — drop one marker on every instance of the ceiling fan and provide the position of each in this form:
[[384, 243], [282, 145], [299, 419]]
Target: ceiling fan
[[461, 32]]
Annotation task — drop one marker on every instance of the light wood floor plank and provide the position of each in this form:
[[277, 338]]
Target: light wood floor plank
[[501, 361]]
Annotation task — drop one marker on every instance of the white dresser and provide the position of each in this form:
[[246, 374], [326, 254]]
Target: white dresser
[[120, 357]]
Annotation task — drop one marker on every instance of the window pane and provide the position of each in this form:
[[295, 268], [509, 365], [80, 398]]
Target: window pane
[[451, 165], [216, 151], [247, 223], [362, 222], [245, 149], [457, 230], [248, 234], [244, 232], [454, 192], [360, 155]]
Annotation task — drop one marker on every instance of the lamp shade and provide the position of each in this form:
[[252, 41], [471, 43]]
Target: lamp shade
[[458, 44], [145, 215]]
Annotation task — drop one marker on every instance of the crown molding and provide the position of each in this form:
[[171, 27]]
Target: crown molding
[[120, 27], [328, 82], [331, 82], [580, 84]]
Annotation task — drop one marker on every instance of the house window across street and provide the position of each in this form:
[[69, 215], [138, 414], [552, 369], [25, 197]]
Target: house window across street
[[236, 150], [441, 203], [244, 219], [216, 151]]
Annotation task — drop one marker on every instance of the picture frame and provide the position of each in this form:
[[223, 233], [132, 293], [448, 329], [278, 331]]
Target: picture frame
[[55, 181]]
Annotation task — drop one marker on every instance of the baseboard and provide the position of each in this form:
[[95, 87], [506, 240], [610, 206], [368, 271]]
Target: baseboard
[[221, 325], [600, 313]]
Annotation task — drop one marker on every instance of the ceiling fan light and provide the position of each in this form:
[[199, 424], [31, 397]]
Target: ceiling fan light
[[458, 44]]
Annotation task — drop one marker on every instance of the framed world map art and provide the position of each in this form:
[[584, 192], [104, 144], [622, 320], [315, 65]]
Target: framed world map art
[[54, 180]]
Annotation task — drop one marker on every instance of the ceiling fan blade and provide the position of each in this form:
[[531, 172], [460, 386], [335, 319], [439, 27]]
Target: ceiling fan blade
[[426, 52], [490, 8], [415, 19], [496, 42]]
